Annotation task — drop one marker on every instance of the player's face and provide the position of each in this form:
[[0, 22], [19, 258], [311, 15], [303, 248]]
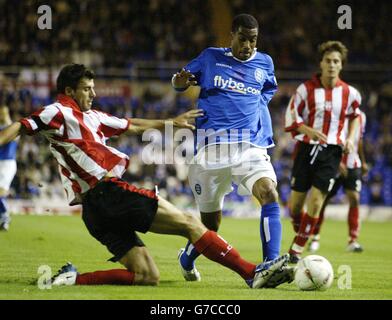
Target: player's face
[[244, 42], [331, 65], [84, 94]]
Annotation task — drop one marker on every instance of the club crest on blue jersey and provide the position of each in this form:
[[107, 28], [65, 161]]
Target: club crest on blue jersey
[[259, 75]]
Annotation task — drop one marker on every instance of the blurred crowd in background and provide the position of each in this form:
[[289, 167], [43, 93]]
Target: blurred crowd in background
[[290, 29], [105, 34], [172, 30]]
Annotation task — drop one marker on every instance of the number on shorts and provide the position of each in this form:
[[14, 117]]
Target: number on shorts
[[358, 185], [331, 183]]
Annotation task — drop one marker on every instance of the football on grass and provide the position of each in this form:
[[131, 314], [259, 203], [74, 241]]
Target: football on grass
[[313, 273]]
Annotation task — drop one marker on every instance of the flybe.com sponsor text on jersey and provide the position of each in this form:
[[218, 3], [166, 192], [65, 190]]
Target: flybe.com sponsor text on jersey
[[233, 85]]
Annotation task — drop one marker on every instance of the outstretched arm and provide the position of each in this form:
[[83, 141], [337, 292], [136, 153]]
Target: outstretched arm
[[352, 127], [10, 133], [138, 126]]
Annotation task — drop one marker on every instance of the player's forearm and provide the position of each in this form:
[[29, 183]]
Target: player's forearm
[[306, 130], [361, 151], [10, 133], [138, 126], [352, 128], [313, 134]]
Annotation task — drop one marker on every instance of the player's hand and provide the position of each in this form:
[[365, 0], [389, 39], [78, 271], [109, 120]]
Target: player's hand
[[186, 119], [364, 169], [348, 146], [317, 136], [184, 79], [343, 170]]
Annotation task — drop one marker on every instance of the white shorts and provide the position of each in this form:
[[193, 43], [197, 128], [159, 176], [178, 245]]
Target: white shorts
[[211, 182], [7, 173]]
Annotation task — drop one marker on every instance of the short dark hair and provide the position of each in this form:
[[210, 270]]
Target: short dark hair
[[330, 46], [70, 76], [244, 20]]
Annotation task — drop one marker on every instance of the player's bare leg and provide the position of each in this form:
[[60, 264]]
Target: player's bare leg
[[315, 201], [139, 261], [140, 270], [296, 208], [171, 220], [314, 244], [265, 191]]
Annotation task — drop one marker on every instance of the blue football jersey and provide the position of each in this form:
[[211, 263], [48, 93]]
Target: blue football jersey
[[234, 96], [8, 151]]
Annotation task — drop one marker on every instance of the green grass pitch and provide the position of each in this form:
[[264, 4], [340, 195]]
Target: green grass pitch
[[52, 240]]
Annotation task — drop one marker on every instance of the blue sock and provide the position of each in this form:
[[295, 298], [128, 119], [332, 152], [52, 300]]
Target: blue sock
[[3, 207], [270, 230], [189, 256]]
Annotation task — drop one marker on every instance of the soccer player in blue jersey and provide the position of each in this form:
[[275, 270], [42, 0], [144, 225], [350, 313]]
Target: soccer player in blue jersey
[[233, 136], [7, 168]]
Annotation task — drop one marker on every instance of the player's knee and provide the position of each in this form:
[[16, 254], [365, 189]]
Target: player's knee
[[147, 278], [139, 261], [151, 278], [265, 191], [270, 194], [149, 273]]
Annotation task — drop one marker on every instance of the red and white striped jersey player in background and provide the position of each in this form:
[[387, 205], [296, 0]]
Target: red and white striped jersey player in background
[[316, 116], [352, 168]]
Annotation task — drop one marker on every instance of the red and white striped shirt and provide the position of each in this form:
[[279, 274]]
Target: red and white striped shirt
[[322, 109], [78, 142], [352, 160]]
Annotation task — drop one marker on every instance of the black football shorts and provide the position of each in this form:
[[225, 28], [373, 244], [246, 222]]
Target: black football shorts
[[316, 166], [113, 210], [351, 182]]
